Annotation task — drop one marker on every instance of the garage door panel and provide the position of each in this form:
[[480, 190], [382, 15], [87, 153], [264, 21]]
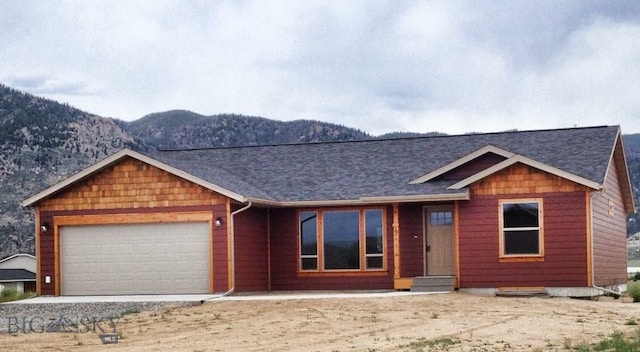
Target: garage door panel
[[135, 259]]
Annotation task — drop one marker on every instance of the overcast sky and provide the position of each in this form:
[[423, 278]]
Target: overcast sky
[[380, 66]]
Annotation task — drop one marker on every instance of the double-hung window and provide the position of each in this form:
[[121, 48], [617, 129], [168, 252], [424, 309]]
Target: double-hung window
[[521, 230], [342, 240]]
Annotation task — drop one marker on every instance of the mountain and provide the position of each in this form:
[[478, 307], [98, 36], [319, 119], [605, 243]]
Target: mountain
[[632, 151], [43, 142], [185, 129]]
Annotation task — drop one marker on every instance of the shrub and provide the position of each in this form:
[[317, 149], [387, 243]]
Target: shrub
[[616, 342], [8, 292], [633, 289], [636, 276]]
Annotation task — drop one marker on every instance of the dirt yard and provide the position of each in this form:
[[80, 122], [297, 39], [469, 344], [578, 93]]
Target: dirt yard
[[453, 322]]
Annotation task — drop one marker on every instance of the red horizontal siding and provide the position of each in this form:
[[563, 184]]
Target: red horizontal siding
[[46, 257], [251, 250], [609, 233], [411, 240], [565, 259]]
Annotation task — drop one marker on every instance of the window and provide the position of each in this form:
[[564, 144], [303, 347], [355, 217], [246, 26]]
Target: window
[[309, 240], [612, 208], [521, 228], [341, 240], [374, 239], [440, 218]]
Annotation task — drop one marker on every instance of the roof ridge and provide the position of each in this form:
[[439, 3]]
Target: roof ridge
[[373, 139]]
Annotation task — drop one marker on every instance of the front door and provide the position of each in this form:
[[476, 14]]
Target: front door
[[439, 240]]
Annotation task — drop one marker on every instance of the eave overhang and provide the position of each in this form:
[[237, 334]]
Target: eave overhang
[[462, 195], [619, 158], [99, 166], [17, 280]]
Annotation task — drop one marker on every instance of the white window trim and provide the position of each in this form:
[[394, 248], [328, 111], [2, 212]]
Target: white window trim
[[540, 228]]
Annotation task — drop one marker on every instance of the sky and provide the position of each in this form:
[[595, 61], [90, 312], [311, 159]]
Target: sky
[[380, 66]]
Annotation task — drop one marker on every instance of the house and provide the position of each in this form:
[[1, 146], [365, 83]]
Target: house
[[539, 209], [18, 272]]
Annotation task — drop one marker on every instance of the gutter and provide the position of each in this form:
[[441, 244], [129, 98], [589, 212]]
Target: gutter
[[232, 250], [463, 195]]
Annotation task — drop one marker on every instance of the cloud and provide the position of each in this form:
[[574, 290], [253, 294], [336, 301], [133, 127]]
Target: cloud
[[375, 65], [47, 85]]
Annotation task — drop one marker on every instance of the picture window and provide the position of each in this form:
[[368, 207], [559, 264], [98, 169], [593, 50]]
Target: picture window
[[342, 240]]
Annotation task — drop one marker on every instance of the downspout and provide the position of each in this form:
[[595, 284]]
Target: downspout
[[615, 293], [232, 249]]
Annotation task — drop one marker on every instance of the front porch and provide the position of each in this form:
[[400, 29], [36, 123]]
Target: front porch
[[425, 258], [434, 283]]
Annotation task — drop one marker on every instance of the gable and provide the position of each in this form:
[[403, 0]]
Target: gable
[[519, 159], [129, 184], [523, 179], [19, 261]]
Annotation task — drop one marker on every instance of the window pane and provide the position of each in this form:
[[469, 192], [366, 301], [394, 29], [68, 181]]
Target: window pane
[[521, 242], [341, 240], [374, 262], [448, 218], [520, 215], [308, 233], [373, 231], [310, 263], [433, 218], [439, 218]]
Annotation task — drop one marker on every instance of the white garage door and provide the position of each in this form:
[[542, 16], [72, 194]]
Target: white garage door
[[168, 258]]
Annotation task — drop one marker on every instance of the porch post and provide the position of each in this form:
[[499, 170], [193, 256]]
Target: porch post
[[396, 242]]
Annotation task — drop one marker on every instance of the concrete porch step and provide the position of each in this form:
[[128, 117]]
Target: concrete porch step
[[443, 283]]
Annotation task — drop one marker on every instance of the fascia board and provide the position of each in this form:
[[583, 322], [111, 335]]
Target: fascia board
[[19, 255], [530, 162], [365, 200], [117, 157], [418, 198], [618, 156], [459, 162]]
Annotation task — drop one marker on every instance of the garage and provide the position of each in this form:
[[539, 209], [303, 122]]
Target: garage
[[153, 258]]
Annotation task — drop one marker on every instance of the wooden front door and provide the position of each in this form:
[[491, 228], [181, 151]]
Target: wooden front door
[[439, 240]]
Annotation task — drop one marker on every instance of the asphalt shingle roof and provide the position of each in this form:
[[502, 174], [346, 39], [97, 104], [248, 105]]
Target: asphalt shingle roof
[[16, 275], [382, 168]]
